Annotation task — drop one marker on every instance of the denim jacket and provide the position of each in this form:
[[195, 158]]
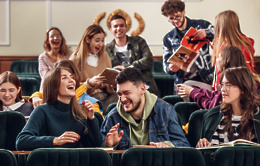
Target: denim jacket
[[202, 69], [162, 126]]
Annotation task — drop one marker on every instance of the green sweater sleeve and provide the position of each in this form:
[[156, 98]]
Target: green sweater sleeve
[[92, 137], [30, 137]]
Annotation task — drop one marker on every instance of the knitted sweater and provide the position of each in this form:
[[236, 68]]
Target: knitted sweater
[[23, 107], [50, 121], [90, 71]]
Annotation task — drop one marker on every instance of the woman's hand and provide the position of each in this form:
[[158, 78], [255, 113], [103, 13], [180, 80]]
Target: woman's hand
[[36, 101], [97, 80], [184, 90], [203, 143], [119, 67], [112, 137], [67, 137], [88, 108]]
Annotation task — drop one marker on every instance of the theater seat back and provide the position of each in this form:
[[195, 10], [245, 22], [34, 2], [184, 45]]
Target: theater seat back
[[162, 157], [7, 158], [25, 66], [237, 156], [11, 124], [68, 157]]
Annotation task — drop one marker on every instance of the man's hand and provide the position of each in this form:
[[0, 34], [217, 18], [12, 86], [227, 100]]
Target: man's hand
[[159, 144], [184, 90], [67, 137], [174, 67], [200, 34], [88, 108], [36, 101], [203, 143], [113, 137]]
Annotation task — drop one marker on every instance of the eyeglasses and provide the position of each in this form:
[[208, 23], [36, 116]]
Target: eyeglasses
[[225, 86], [171, 19], [57, 36]]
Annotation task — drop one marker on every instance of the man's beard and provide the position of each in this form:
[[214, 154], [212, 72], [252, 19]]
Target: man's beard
[[135, 107], [183, 20]]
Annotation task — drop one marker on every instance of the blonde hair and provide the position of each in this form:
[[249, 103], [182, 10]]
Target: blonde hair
[[228, 32], [82, 51]]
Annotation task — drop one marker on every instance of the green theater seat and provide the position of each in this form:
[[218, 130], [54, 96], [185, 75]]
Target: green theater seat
[[68, 157], [25, 66], [27, 72], [110, 107], [185, 109], [163, 81], [237, 156], [29, 85], [172, 99], [7, 158], [194, 129], [162, 157], [11, 124]]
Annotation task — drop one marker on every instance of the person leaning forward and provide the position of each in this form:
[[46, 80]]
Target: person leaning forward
[[140, 117], [201, 70]]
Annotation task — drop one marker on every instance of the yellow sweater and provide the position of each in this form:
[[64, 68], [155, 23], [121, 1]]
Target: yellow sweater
[[79, 92]]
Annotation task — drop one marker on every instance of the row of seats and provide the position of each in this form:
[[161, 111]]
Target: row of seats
[[225, 156], [163, 81], [27, 72], [12, 122]]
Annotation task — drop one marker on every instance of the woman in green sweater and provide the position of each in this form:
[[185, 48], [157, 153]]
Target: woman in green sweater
[[60, 122]]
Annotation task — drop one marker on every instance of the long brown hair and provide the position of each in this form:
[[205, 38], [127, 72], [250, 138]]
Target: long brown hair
[[51, 91], [82, 51], [243, 78], [227, 30], [64, 49], [232, 56], [65, 63], [11, 77]]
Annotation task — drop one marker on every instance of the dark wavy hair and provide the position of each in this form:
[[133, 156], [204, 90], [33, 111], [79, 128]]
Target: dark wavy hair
[[172, 6], [243, 78], [131, 74]]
